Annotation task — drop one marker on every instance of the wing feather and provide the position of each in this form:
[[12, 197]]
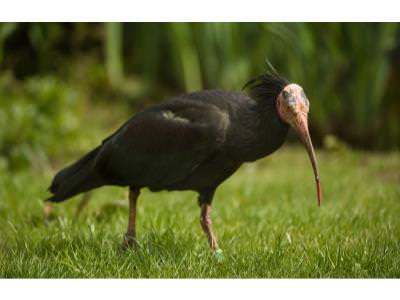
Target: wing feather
[[163, 145]]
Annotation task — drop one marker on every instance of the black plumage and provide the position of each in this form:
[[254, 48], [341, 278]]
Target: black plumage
[[192, 142]]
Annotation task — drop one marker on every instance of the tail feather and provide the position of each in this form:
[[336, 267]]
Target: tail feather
[[76, 178]]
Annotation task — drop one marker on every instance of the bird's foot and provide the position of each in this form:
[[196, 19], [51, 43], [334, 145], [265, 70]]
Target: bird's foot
[[219, 255], [129, 242]]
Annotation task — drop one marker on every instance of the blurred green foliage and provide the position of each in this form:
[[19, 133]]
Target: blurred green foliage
[[39, 119], [49, 71]]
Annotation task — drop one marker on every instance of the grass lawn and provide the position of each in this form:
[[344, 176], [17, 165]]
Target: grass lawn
[[265, 216]]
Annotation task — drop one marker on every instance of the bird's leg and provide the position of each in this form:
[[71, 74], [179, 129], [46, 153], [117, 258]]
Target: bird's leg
[[82, 204], [205, 200], [130, 236], [206, 224]]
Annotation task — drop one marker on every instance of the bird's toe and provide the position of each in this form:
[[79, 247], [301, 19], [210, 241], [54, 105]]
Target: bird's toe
[[129, 242]]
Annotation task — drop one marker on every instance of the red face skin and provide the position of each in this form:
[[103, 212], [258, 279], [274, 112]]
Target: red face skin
[[293, 107]]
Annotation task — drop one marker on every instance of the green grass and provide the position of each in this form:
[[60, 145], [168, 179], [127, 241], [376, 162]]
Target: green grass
[[265, 216]]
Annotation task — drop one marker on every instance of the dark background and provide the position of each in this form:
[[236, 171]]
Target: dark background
[[54, 76]]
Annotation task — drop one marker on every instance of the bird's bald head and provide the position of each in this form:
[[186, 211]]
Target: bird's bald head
[[292, 103]]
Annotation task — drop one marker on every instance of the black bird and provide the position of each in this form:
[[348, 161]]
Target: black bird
[[192, 142]]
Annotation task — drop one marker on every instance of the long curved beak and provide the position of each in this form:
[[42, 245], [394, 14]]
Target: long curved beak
[[301, 127]]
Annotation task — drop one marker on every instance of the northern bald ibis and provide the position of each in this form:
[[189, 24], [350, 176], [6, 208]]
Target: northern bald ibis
[[193, 142]]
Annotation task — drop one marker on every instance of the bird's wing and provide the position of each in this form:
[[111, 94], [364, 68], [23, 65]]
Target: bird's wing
[[164, 144]]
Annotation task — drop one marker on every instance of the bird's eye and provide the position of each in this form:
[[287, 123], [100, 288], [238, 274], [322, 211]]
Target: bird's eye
[[285, 94]]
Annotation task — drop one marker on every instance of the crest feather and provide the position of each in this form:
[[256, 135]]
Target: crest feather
[[266, 87]]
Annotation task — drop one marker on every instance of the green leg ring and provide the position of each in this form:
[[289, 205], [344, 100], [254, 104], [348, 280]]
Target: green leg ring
[[219, 255]]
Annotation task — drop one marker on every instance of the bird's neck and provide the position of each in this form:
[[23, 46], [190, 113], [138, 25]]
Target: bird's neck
[[263, 131]]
